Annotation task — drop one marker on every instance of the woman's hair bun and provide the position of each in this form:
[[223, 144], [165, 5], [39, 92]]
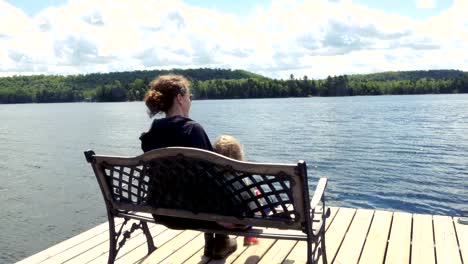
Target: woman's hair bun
[[162, 91], [154, 102]]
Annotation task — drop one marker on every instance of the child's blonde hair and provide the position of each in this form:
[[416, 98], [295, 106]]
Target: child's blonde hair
[[229, 147]]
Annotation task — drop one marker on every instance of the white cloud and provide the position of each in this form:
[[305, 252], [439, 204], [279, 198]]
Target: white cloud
[[425, 3], [312, 37]]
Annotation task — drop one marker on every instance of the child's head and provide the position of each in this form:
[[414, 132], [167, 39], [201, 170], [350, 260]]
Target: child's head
[[229, 147]]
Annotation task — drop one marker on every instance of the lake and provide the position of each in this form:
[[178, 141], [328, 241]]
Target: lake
[[404, 153]]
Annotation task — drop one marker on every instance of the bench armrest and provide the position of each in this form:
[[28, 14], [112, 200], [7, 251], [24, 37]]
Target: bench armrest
[[318, 225], [319, 193]]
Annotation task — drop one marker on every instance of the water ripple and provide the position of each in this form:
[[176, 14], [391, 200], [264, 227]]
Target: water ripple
[[405, 153]]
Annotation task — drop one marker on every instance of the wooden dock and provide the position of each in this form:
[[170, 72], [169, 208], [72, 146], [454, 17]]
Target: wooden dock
[[353, 236]]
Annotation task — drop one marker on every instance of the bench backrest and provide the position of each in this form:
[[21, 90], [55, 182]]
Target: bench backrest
[[199, 184]]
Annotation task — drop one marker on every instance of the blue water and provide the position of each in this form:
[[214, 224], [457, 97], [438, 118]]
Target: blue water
[[405, 153]]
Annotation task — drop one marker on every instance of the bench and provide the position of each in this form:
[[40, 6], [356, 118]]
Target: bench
[[198, 184]]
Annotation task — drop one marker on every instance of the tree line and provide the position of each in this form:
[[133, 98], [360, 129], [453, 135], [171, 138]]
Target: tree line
[[115, 86], [225, 84]]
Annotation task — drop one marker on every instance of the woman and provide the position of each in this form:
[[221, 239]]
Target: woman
[[170, 94]]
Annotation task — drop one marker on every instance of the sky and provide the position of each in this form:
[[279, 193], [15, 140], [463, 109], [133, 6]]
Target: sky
[[274, 38]]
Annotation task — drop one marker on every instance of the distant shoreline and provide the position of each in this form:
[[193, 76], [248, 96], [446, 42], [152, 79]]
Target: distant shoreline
[[221, 99], [226, 84]]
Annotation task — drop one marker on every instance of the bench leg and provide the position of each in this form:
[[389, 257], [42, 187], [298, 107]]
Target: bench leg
[[112, 241], [310, 254], [125, 233], [316, 250], [149, 238], [322, 235], [322, 248]]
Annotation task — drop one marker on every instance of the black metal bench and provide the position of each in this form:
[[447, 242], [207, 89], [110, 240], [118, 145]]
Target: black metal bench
[[198, 184]]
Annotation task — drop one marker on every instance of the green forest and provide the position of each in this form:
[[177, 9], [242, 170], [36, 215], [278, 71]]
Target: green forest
[[225, 84]]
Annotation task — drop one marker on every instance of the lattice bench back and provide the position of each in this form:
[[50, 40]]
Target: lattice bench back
[[199, 184]]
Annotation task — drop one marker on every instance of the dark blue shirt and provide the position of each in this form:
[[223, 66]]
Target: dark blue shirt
[[175, 131]]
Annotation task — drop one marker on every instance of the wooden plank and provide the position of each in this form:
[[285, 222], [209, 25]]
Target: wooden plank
[[445, 240], [170, 247], [376, 242], [299, 252], [103, 249], [69, 243], [278, 252], [81, 248], [336, 232], [253, 254], [353, 243], [198, 258], [131, 244], [346, 234], [186, 251], [462, 234], [334, 236], [137, 254], [231, 258], [400, 239], [422, 249]]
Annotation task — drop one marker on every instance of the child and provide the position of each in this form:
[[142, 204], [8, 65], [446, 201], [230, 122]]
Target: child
[[229, 146]]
